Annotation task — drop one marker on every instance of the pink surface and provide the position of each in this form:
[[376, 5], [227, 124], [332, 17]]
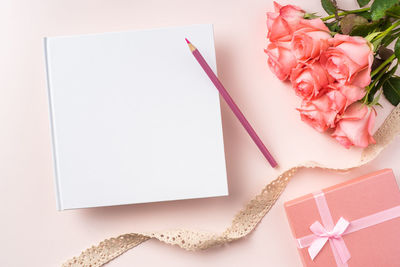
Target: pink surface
[[373, 246], [33, 233]]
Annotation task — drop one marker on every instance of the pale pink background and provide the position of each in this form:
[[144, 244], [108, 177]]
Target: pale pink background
[[33, 233]]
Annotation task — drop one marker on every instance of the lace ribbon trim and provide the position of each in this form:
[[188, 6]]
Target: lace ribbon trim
[[245, 220]]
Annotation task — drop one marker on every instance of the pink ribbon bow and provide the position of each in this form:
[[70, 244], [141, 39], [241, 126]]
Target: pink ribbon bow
[[320, 235], [335, 236]]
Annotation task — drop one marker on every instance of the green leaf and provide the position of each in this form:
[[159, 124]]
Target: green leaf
[[387, 22], [388, 39], [375, 100], [362, 3], [381, 81], [365, 14], [333, 26], [364, 29], [372, 35], [328, 6], [388, 74], [379, 7], [391, 90], [393, 11], [348, 22], [376, 44], [311, 16], [372, 92], [397, 48]]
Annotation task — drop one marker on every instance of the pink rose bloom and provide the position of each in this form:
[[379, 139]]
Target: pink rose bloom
[[351, 92], [281, 59], [310, 40], [309, 79], [283, 22], [321, 112], [355, 126], [349, 60]]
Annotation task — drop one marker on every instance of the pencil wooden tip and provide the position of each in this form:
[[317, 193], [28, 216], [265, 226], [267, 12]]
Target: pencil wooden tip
[[191, 46]]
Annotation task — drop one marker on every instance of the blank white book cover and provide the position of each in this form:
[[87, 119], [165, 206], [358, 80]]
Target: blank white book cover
[[134, 118]]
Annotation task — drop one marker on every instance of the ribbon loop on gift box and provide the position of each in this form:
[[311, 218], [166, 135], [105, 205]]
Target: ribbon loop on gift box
[[324, 235], [316, 241], [339, 249]]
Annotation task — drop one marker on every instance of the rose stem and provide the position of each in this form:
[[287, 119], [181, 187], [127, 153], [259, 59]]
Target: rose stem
[[345, 13], [387, 61], [385, 32], [369, 87]]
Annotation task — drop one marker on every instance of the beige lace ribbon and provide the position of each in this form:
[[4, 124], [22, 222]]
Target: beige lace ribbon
[[243, 223]]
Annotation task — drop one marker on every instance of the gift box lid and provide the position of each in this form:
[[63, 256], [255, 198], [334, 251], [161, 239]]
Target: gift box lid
[[369, 194]]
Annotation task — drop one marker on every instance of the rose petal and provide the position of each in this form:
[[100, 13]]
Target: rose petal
[[355, 126], [316, 24]]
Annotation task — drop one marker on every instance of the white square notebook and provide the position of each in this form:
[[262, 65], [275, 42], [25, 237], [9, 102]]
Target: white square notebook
[[134, 118]]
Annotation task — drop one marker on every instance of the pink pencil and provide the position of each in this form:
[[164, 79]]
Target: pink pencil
[[232, 104]]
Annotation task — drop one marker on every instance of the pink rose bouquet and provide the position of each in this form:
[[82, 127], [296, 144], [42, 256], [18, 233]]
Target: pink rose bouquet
[[338, 65]]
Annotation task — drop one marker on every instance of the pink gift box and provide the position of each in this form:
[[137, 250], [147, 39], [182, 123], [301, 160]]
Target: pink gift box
[[355, 224]]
